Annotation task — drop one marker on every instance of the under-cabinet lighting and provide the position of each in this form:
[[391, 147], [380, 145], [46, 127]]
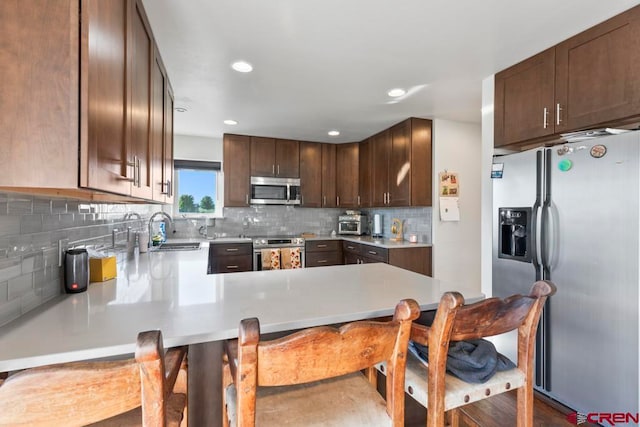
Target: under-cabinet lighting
[[230, 122]]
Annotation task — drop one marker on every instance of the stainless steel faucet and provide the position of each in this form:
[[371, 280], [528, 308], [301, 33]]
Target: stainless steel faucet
[[166, 217]]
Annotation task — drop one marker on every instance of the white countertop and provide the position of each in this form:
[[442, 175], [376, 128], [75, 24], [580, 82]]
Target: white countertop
[[374, 241], [171, 291]]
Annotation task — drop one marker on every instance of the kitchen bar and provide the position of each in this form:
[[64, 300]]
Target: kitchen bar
[[171, 291]]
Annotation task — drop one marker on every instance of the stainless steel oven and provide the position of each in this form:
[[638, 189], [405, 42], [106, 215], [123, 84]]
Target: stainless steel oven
[[263, 246]]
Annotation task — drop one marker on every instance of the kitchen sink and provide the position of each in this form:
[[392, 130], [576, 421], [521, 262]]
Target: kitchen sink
[[177, 246]]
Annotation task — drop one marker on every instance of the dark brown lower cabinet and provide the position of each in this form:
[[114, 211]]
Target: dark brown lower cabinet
[[416, 259], [320, 253], [230, 258]]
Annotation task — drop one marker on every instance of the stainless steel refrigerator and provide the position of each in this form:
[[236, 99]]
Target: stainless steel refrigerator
[[570, 214]]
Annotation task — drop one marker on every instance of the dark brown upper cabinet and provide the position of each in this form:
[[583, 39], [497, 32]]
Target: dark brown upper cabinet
[[329, 199], [87, 116], [364, 173], [311, 174], [589, 81], [236, 153], [275, 157], [524, 97], [402, 167], [347, 174]]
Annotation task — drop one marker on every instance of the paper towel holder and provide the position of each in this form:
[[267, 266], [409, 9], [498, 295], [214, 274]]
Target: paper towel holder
[[377, 226]]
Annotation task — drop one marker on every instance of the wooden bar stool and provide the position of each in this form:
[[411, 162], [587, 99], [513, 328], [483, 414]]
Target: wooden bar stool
[[439, 391], [150, 390], [312, 377]]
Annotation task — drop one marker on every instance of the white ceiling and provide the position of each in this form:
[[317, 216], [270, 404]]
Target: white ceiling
[[328, 64]]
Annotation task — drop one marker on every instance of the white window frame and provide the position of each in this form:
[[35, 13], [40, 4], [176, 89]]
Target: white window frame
[[205, 166]]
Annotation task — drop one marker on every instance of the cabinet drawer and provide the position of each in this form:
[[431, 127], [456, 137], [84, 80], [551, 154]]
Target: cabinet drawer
[[230, 264], [323, 245], [350, 247], [320, 259], [224, 249], [375, 253]]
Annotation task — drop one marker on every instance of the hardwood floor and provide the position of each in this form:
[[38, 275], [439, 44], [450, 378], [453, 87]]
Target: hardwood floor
[[497, 411]]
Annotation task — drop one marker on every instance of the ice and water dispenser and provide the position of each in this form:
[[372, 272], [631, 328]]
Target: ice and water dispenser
[[515, 233]]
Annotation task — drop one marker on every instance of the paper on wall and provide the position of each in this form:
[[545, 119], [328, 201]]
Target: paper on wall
[[449, 209]]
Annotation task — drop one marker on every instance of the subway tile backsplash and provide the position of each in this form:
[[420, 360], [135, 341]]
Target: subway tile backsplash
[[31, 227]]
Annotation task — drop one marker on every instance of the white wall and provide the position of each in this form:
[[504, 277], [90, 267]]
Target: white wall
[[456, 245], [187, 147], [487, 185]]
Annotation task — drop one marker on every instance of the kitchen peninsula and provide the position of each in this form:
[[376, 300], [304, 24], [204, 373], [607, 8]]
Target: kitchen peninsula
[[171, 291]]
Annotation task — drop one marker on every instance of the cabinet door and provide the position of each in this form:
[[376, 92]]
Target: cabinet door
[[158, 128], [236, 161], [167, 170], [421, 162], [39, 93], [311, 174], [524, 100], [328, 175], [347, 160], [103, 86], [400, 165], [263, 156], [140, 52], [381, 151], [287, 158], [350, 258], [364, 174], [597, 77]]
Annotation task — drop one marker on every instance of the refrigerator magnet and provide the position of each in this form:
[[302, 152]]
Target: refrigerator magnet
[[598, 151], [565, 164]]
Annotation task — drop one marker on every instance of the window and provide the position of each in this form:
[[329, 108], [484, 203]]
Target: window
[[198, 188]]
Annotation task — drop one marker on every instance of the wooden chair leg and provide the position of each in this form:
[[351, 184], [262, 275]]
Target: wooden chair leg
[[524, 411], [453, 417], [226, 381], [372, 375]]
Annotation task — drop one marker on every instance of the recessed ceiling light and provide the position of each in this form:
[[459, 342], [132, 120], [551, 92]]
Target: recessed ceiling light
[[394, 93], [333, 133], [230, 122], [181, 109], [242, 67]]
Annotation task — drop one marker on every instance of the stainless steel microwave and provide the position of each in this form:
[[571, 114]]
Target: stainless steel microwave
[[275, 191]]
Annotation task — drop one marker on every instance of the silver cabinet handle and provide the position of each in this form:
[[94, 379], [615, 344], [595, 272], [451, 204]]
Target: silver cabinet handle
[[232, 267], [273, 169], [373, 252], [246, 196], [558, 110], [389, 198], [545, 115], [322, 246], [139, 173], [324, 200], [358, 200], [338, 200], [302, 199], [322, 261], [170, 187], [350, 247], [278, 170], [232, 250]]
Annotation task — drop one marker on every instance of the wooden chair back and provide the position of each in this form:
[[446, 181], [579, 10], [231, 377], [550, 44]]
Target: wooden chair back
[[322, 352], [82, 393], [455, 321]]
